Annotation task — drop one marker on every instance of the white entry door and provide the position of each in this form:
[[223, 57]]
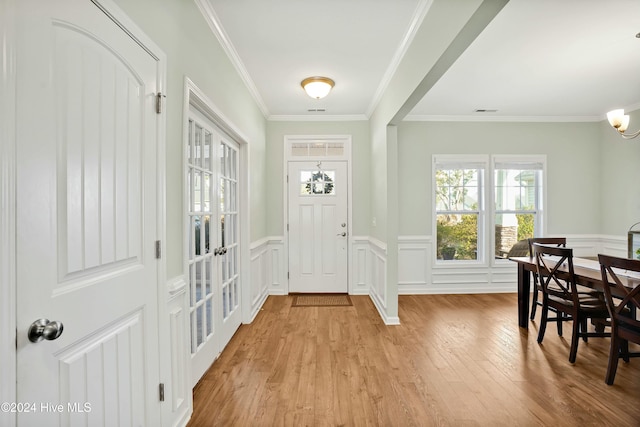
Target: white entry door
[[318, 226], [213, 241], [87, 132]]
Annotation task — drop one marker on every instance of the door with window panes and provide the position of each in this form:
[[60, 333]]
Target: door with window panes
[[212, 246]]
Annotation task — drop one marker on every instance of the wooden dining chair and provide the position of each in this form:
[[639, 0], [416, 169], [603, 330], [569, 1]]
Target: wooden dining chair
[[561, 292], [535, 302], [625, 326]]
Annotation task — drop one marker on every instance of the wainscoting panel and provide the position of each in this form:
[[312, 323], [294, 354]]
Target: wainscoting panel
[[177, 389], [414, 264], [418, 273], [378, 289], [614, 246], [475, 280], [175, 360], [360, 266], [277, 276], [267, 271], [593, 245]]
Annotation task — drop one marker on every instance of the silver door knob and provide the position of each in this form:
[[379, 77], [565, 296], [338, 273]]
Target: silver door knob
[[343, 234], [42, 329]]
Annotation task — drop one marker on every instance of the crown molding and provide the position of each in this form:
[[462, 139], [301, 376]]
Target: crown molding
[[309, 118], [216, 27], [632, 107], [467, 118], [418, 16]]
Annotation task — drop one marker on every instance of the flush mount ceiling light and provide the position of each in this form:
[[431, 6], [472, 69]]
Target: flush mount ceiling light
[[620, 122], [317, 87]]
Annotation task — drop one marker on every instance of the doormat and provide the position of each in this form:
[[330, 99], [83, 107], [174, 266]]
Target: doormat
[[321, 300]]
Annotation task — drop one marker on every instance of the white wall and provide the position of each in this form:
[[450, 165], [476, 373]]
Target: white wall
[[620, 175], [193, 51]]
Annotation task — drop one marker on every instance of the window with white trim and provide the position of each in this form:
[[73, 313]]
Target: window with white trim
[[461, 183], [517, 184], [459, 208]]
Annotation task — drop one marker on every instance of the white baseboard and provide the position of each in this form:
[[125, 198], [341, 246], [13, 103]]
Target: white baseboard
[[388, 320]]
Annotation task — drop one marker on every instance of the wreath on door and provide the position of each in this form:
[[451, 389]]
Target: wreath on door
[[319, 183]]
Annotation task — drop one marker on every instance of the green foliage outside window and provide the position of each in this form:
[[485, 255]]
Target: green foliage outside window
[[525, 226], [459, 232]]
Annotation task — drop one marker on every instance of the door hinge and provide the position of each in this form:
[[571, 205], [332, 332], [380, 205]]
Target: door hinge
[[159, 97], [161, 392], [287, 275], [287, 227], [158, 249]]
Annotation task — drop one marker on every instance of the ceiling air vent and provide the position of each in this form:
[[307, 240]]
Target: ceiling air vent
[[316, 110], [485, 110]]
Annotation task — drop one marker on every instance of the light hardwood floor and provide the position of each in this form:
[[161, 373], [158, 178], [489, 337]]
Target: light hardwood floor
[[456, 360]]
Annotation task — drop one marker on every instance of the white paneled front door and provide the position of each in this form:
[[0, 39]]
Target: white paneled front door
[[318, 226], [87, 220]]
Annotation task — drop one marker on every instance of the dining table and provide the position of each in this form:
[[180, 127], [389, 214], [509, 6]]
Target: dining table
[[587, 273]]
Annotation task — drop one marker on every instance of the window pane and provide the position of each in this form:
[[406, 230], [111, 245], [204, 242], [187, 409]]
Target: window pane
[[515, 189], [457, 190], [511, 229], [471, 199], [207, 235], [197, 192], [206, 192], [191, 142], [317, 150], [200, 329], [457, 236], [197, 148], [209, 314], [197, 235], [206, 151]]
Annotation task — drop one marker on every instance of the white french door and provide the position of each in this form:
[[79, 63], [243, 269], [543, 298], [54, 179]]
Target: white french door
[[318, 226], [213, 240], [87, 217]]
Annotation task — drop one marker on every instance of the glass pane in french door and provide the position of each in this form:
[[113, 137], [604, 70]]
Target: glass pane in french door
[[201, 221], [228, 230]]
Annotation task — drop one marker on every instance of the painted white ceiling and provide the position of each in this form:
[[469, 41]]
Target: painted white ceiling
[[537, 60]]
